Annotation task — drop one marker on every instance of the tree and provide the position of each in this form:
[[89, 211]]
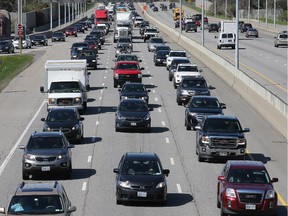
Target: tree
[[9, 5]]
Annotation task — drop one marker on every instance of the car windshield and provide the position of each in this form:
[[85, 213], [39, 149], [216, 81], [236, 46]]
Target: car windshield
[[132, 106], [178, 54], [58, 34], [179, 61], [59, 87], [39, 37], [141, 167], [254, 176], [79, 45], [283, 36], [128, 66], [87, 54], [222, 125], [162, 53], [124, 40], [194, 84], [122, 45], [127, 58], [45, 143], [133, 88], [35, 205], [61, 115], [151, 30], [188, 68], [4, 43], [204, 103], [156, 40]]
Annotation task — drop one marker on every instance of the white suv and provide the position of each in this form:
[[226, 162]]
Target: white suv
[[174, 54], [226, 39], [184, 70]]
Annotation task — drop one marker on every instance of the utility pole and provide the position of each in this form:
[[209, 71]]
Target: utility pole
[[237, 36], [202, 24]]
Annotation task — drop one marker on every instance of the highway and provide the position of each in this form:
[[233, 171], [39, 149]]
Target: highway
[[191, 185]]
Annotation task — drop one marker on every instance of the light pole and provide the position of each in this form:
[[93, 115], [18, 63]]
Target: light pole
[[249, 11], [237, 36], [274, 22], [258, 11], [202, 24], [180, 16], [226, 9]]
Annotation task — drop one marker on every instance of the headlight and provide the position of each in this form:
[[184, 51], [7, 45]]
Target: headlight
[[270, 194], [77, 100], [52, 101], [42, 40], [125, 184], [76, 127], [144, 98], [61, 156], [123, 97], [93, 60], [161, 185], [241, 141], [205, 140], [192, 114], [29, 156], [6, 47], [184, 92], [147, 117], [230, 193], [119, 116]]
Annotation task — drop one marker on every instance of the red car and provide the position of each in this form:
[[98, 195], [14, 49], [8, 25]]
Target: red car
[[127, 71], [198, 22], [245, 188], [70, 32]]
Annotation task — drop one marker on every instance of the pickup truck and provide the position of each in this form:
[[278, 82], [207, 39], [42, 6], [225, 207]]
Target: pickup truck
[[150, 32], [174, 54], [220, 136], [185, 70]]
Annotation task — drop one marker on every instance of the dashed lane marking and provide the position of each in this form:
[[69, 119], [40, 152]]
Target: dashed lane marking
[[89, 159], [167, 140], [179, 188], [84, 186], [172, 161]]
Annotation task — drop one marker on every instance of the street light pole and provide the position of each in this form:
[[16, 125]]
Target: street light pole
[[202, 24], [180, 16], [249, 10], [274, 22], [237, 36], [226, 9], [258, 11]]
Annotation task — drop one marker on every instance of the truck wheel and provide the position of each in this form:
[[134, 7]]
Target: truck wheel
[[218, 203], [179, 102], [188, 127], [233, 47]]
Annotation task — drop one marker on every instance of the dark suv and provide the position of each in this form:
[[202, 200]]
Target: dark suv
[[245, 188], [220, 136], [47, 198], [134, 90], [47, 152]]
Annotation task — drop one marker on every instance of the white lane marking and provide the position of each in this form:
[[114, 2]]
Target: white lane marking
[[100, 98], [179, 188], [148, 72], [101, 92], [156, 99], [105, 71], [84, 186], [172, 161], [167, 140], [163, 123], [159, 110], [153, 91], [97, 123], [89, 159], [103, 84], [5, 162], [150, 77]]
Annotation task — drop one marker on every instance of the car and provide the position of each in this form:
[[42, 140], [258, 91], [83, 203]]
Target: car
[[6, 46], [92, 45], [140, 177], [174, 54], [245, 27], [76, 47], [154, 42], [149, 32], [103, 27], [162, 47], [67, 120], [126, 40], [80, 27], [213, 27], [252, 32], [200, 106], [184, 70], [245, 188], [40, 198], [226, 39], [190, 86], [26, 42], [126, 71], [90, 56], [174, 65], [100, 34], [220, 137], [45, 153], [122, 48], [58, 36], [137, 21], [155, 8], [85, 25], [71, 31], [133, 114], [39, 40], [160, 57], [95, 38], [134, 90], [190, 27], [281, 40], [142, 27], [127, 57]]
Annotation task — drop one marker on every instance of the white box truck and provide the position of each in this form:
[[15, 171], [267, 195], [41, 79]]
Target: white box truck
[[227, 35], [67, 83], [228, 26]]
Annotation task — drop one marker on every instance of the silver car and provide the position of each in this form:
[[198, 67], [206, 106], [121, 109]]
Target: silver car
[[154, 42], [26, 42], [280, 40]]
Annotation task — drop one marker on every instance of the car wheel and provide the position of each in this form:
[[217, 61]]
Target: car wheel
[[200, 159], [179, 102], [95, 67], [67, 174], [223, 214], [175, 86], [188, 127], [218, 203], [84, 105], [196, 151], [25, 176], [170, 78], [13, 51]]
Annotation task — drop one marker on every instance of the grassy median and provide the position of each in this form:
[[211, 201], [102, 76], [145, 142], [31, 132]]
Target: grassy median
[[12, 65]]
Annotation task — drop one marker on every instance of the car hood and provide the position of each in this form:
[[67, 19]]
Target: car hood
[[206, 110], [247, 186], [196, 89], [136, 94], [224, 134], [156, 44], [133, 114], [61, 124], [142, 179], [43, 152], [188, 73]]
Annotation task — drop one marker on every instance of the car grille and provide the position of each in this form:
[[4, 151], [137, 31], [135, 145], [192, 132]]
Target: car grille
[[251, 197], [128, 77], [65, 101], [223, 142], [64, 130], [45, 159], [134, 119], [200, 116], [142, 187]]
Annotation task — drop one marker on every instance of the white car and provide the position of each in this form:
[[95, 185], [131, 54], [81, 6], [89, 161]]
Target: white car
[[226, 39], [184, 70], [174, 54], [138, 20], [26, 42]]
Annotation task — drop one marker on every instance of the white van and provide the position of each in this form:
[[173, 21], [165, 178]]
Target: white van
[[226, 39]]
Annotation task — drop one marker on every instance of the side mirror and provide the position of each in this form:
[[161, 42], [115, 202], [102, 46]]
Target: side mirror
[[112, 68], [71, 208], [221, 178], [21, 147], [166, 172], [42, 89], [197, 127], [148, 90], [215, 36], [223, 106], [142, 68], [71, 146], [116, 170], [43, 119], [139, 60], [88, 73], [200, 70], [274, 180], [150, 109], [119, 90], [246, 130], [81, 119]]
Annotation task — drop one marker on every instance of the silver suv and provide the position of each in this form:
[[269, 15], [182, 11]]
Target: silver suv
[[47, 198], [47, 152]]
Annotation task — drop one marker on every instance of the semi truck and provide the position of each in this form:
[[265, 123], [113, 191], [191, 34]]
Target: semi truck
[[66, 82], [101, 15], [176, 13]]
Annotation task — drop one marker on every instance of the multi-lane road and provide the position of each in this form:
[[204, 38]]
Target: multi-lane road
[[191, 185]]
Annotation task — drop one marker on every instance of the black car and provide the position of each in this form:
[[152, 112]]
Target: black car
[[212, 27], [160, 57], [174, 64], [47, 152], [77, 46], [190, 86], [128, 57], [58, 36], [100, 34], [96, 38], [133, 114], [80, 28], [200, 106], [90, 56], [134, 90], [6, 46], [140, 177], [162, 47], [67, 120], [39, 40], [190, 27], [245, 27]]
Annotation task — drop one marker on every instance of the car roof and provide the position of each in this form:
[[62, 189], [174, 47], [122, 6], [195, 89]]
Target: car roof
[[177, 51], [177, 58], [127, 62], [221, 117], [141, 155], [187, 64], [39, 188], [47, 134], [237, 164], [204, 96], [72, 109]]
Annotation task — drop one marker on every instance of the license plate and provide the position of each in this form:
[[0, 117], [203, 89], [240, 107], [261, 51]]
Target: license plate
[[223, 153], [141, 194], [133, 124], [250, 207], [45, 168]]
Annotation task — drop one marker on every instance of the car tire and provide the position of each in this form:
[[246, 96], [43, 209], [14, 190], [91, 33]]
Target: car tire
[[95, 67], [174, 85], [25, 175], [179, 102], [84, 105], [170, 78], [223, 214], [196, 152], [200, 159], [67, 174], [188, 127], [233, 47]]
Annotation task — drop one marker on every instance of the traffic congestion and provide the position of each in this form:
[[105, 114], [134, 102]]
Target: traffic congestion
[[127, 122]]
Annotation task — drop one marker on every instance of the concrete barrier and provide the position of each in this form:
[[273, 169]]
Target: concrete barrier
[[271, 107]]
